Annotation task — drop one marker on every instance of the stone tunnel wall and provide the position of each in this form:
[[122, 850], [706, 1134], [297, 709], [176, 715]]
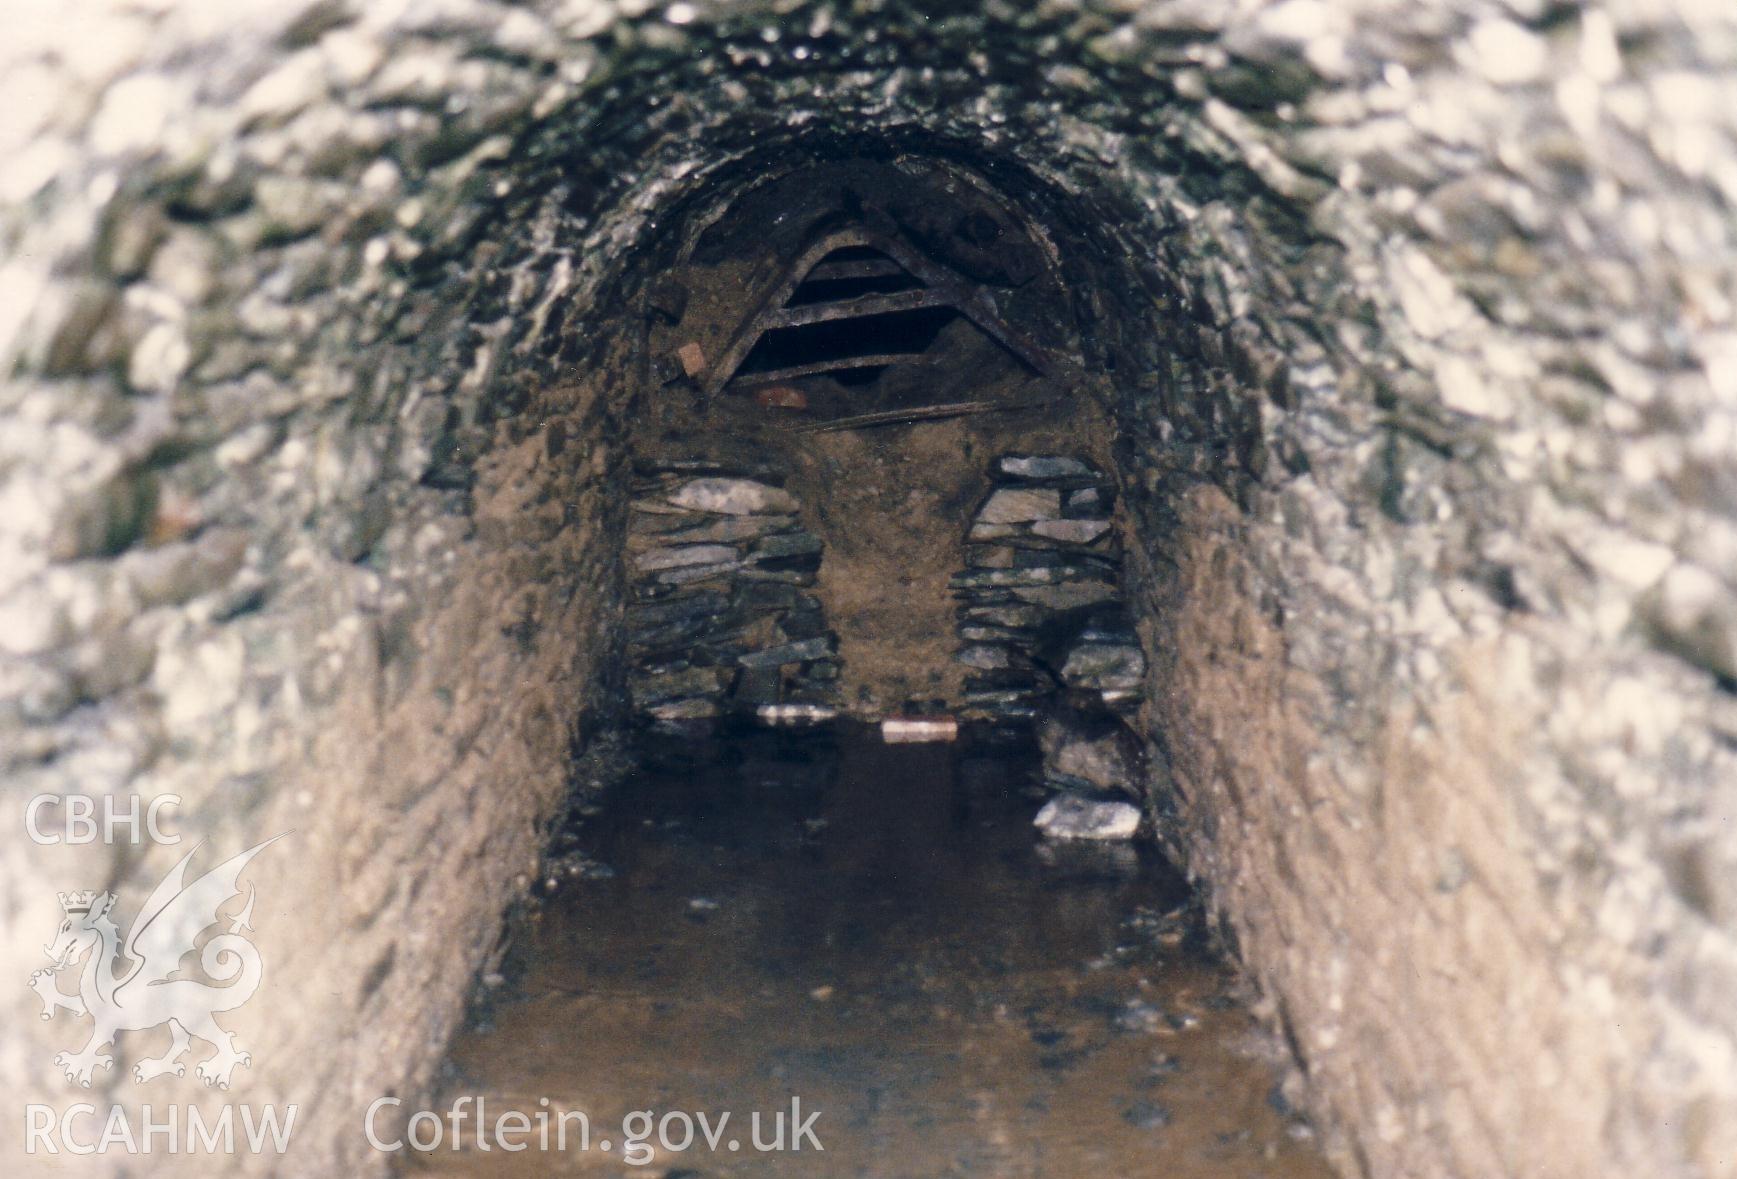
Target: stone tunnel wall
[[722, 619], [1418, 324]]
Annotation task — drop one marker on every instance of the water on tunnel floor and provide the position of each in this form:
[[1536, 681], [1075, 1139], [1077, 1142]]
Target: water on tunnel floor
[[876, 932]]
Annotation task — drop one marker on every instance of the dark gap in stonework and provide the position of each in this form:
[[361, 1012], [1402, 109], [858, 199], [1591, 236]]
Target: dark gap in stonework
[[900, 333]]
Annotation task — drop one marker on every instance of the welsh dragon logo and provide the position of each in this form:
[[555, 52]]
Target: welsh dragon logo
[[144, 994]]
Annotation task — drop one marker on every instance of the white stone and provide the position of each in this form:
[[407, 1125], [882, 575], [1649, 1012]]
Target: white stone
[[1432, 304], [1074, 816], [134, 114], [1042, 466], [381, 177], [416, 75], [582, 18], [289, 88], [1462, 389], [244, 446], [1068, 596], [984, 656], [1599, 55], [1074, 531], [28, 621], [1693, 608], [680, 556], [1017, 505], [31, 167], [185, 266], [732, 497], [1105, 665], [159, 360], [351, 57], [1630, 562], [1506, 54], [526, 34], [198, 682]]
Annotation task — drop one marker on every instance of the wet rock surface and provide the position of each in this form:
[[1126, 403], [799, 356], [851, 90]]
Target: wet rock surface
[[1081, 816], [870, 928], [1087, 745]]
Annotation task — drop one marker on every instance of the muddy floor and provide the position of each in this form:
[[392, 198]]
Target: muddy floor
[[873, 932]]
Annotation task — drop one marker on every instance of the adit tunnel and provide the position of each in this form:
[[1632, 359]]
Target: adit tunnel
[[405, 402]]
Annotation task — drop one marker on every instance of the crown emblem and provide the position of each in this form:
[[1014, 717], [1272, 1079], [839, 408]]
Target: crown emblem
[[81, 901]]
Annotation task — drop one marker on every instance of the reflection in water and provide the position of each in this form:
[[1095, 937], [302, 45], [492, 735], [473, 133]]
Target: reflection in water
[[877, 932]]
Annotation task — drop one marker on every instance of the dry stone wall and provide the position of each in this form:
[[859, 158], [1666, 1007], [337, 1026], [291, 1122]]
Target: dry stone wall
[[721, 621], [1040, 606]]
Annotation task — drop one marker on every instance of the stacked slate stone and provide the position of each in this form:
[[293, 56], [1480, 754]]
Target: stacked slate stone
[[1040, 600], [720, 618]]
